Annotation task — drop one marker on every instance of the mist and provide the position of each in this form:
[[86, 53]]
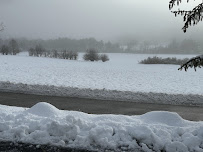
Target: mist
[[108, 20]]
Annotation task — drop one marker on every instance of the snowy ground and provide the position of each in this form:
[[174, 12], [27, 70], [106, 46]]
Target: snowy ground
[[153, 131], [122, 78]]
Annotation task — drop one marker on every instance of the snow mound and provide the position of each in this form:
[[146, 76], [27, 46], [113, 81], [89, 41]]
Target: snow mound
[[164, 118], [44, 109]]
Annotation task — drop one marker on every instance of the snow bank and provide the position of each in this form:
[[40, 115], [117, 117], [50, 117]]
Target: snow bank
[[153, 131], [142, 97]]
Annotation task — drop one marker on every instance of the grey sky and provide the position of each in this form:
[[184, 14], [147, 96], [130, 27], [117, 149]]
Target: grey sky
[[102, 19]]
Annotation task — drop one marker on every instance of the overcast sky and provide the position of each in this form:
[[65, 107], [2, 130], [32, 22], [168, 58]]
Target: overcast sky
[[102, 19]]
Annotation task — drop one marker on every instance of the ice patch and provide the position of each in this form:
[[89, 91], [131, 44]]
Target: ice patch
[[44, 109]]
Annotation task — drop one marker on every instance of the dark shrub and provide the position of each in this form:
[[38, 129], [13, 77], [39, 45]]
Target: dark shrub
[[5, 50], [104, 57], [159, 60], [91, 55]]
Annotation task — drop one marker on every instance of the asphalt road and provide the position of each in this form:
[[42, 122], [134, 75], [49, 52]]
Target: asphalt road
[[99, 106]]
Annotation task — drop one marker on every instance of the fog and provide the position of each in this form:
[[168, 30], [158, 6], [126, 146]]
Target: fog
[[113, 20]]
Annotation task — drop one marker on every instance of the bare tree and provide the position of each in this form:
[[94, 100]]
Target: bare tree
[[39, 50], [31, 52], [14, 49], [190, 17]]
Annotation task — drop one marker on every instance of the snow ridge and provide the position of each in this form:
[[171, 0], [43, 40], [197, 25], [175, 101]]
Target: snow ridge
[[159, 98], [154, 131]]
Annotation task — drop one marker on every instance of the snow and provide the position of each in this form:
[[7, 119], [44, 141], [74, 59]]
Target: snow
[[121, 78], [44, 110], [154, 131]]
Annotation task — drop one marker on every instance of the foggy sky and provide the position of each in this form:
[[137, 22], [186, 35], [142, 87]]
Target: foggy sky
[[102, 19]]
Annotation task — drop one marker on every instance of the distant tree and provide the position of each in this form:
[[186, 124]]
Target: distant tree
[[191, 17], [75, 55], [65, 54], [70, 55], [5, 50], [46, 53], [1, 27], [55, 54], [39, 50], [31, 52], [91, 55], [13, 45]]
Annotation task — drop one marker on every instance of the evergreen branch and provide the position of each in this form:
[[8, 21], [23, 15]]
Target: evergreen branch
[[193, 62], [191, 17]]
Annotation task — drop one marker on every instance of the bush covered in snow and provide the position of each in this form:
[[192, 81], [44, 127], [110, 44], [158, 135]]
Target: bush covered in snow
[[93, 55], [104, 57], [159, 60]]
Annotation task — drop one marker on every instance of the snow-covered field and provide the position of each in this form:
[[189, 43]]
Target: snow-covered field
[[153, 131], [122, 78], [121, 73]]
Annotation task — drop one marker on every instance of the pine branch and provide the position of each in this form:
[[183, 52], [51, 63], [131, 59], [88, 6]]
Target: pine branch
[[193, 62], [191, 17]]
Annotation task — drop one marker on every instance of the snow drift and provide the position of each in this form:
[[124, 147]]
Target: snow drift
[[154, 131]]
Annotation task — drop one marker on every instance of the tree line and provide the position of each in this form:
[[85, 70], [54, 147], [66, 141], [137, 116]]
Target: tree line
[[75, 45], [186, 46], [12, 48]]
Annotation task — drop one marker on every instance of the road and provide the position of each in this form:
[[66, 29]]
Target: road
[[93, 106]]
